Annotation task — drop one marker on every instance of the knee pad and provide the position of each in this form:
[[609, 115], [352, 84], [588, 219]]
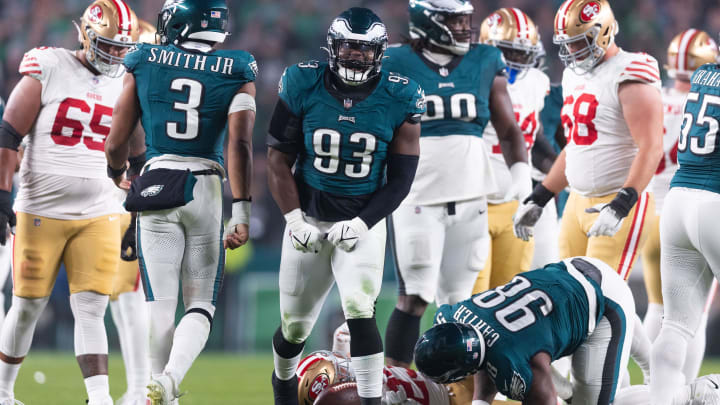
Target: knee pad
[[89, 308], [359, 305], [28, 309], [17, 335]]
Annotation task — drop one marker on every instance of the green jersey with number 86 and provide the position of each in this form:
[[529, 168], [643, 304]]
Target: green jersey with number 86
[[345, 143], [185, 96], [697, 150]]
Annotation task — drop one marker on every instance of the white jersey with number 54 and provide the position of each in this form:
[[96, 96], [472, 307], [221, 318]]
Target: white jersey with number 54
[[600, 149]]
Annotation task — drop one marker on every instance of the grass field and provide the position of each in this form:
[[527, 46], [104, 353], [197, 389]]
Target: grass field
[[216, 378]]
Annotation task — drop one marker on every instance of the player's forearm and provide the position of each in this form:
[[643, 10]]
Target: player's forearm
[[555, 180], [8, 161], [484, 387], [644, 166], [512, 144], [240, 168], [281, 181]]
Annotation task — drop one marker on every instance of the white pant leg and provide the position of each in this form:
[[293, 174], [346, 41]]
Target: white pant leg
[[546, 237], [600, 363], [467, 244], [418, 235], [359, 273], [305, 281], [203, 264], [161, 246], [5, 268]]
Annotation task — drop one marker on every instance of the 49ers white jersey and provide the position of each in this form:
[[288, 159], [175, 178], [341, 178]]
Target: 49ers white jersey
[[418, 389], [600, 149], [63, 173], [673, 103], [527, 94]]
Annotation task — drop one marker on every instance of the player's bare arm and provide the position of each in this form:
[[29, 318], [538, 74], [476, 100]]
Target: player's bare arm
[[239, 151], [485, 389], [543, 154], [556, 180], [281, 181], [503, 120], [542, 390], [20, 114], [642, 109], [125, 117]]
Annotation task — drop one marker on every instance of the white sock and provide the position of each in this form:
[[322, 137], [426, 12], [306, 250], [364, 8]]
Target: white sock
[[162, 328], [653, 320], [640, 349], [286, 369], [98, 389], [117, 318], [136, 347], [668, 355], [696, 351], [190, 337], [8, 375], [369, 374]]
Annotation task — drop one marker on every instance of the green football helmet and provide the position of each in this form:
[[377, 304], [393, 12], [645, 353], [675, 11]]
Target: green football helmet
[[356, 40], [428, 20], [185, 20], [449, 352]]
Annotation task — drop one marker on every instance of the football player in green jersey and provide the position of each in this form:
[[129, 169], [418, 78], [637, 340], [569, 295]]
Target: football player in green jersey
[[689, 238], [440, 231], [185, 91], [351, 130]]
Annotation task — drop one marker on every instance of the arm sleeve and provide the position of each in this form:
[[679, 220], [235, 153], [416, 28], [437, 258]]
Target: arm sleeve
[[400, 175], [285, 132]]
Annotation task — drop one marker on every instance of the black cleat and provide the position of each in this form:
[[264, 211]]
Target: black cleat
[[285, 392]]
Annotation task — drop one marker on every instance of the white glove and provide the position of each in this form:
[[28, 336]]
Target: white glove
[[305, 237], [525, 219], [521, 181], [398, 397], [345, 234], [607, 223], [238, 234], [341, 340]]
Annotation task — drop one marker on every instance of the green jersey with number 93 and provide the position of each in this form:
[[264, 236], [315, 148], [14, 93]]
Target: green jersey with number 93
[[544, 310], [698, 151], [345, 143], [185, 95]]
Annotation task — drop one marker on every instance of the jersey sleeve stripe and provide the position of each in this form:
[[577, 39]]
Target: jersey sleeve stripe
[[642, 77], [649, 72], [650, 65], [30, 72], [25, 65]]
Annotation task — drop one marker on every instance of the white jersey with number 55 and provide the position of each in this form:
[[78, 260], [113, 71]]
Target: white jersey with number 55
[[600, 148], [63, 172]]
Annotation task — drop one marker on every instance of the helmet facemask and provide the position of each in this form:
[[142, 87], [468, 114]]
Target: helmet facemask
[[454, 40], [355, 62], [581, 53], [97, 51], [519, 57]]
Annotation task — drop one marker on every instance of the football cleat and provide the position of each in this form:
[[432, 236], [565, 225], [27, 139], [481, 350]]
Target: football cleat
[[10, 401], [162, 390], [705, 390]]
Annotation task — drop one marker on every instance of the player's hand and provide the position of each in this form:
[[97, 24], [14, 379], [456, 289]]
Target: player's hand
[[345, 234], [611, 215], [237, 231], [7, 217], [525, 218], [398, 397], [128, 246], [305, 237], [122, 182]]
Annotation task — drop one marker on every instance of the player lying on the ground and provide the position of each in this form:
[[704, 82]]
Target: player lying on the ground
[[508, 336]]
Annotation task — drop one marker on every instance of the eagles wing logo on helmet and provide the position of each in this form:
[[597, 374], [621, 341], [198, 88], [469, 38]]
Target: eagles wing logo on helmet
[[590, 11]]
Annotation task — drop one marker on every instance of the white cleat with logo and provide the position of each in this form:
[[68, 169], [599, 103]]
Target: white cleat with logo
[[705, 390]]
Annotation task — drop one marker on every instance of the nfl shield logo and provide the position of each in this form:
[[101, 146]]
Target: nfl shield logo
[[444, 72], [348, 103], [36, 222], [204, 23], [215, 14]]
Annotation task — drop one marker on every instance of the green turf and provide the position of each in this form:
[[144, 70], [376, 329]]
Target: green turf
[[215, 378]]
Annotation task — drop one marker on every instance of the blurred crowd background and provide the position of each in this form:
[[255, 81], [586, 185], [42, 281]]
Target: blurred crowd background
[[280, 33]]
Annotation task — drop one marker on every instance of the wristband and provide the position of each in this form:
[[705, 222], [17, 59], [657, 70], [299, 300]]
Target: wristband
[[241, 212], [624, 201], [295, 215], [113, 173], [540, 195]]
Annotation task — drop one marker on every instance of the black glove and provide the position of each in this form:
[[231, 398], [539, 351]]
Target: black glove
[[128, 247], [7, 216]]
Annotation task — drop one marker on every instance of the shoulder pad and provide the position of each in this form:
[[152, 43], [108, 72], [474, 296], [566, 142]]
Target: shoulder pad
[[305, 74], [640, 67], [245, 64], [39, 62], [134, 55]]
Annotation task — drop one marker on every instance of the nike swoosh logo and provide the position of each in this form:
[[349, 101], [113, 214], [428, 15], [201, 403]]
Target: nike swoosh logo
[[302, 243], [342, 235], [715, 384]]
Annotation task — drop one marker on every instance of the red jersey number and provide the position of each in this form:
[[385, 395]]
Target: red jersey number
[[94, 140], [527, 126], [584, 110]]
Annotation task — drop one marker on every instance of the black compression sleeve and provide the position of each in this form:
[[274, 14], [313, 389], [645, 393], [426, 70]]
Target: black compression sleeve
[[10, 138], [542, 153], [400, 175], [285, 132]]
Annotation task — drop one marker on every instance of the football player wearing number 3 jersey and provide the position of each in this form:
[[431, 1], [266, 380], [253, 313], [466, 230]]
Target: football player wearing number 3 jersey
[[612, 117], [352, 132], [186, 92], [66, 210]]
